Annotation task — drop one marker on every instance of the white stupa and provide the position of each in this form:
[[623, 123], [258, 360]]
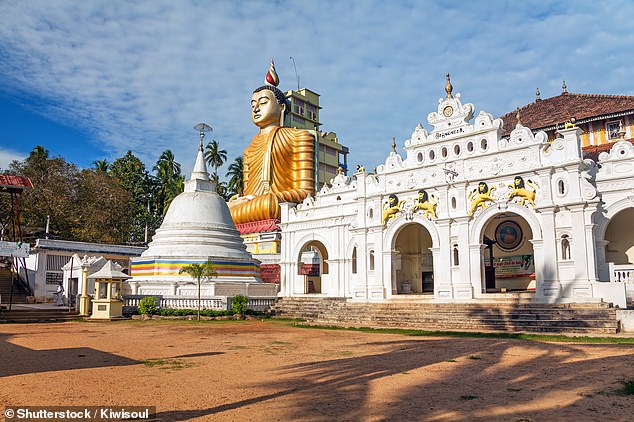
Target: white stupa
[[198, 227]]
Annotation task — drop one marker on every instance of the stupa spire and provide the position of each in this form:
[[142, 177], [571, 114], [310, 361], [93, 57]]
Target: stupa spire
[[200, 167]]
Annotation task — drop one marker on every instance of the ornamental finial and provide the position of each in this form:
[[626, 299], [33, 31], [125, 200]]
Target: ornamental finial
[[517, 115], [393, 144], [564, 88], [271, 76], [448, 86], [538, 95]]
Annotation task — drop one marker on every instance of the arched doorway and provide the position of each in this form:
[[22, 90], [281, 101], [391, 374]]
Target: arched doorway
[[619, 235], [312, 263], [508, 260], [412, 262]]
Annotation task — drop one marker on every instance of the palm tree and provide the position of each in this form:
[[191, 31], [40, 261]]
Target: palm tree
[[101, 165], [214, 156], [170, 180], [174, 188], [235, 173], [206, 270], [221, 187], [39, 153]]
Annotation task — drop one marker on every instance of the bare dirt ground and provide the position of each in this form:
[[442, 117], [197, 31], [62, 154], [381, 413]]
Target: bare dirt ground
[[256, 371]]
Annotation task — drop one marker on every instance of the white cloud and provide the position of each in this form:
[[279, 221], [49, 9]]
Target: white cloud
[[139, 75], [7, 156]]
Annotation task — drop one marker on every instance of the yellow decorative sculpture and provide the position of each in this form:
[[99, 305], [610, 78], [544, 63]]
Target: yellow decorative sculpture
[[278, 164], [391, 208], [426, 204], [480, 196], [519, 190]]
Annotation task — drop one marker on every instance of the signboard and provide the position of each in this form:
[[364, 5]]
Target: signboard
[[513, 266], [18, 249]]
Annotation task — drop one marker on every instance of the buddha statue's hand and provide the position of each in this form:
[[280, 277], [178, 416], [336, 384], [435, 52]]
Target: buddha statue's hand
[[237, 199]]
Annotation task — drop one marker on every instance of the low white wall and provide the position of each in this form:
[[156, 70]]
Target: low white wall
[[626, 320]]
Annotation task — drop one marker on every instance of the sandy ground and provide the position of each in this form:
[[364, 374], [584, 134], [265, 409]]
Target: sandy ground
[[256, 371]]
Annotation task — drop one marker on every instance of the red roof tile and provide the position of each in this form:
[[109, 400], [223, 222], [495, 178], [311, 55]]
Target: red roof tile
[[593, 151], [14, 182], [556, 110]]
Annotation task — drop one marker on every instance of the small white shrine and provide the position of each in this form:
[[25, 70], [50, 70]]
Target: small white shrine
[[466, 215]]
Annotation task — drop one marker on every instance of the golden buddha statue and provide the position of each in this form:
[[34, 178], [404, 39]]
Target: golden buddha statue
[[279, 162]]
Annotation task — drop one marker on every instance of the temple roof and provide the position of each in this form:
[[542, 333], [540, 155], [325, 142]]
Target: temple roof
[[593, 151], [546, 114]]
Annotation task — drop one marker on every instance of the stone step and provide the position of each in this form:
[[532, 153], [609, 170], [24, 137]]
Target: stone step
[[594, 318], [37, 315]]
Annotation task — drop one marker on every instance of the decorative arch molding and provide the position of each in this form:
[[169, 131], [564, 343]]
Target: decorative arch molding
[[610, 212], [483, 218], [350, 247], [390, 234], [299, 245]]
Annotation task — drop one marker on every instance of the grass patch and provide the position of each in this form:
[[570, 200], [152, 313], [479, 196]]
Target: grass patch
[[166, 364], [468, 397], [474, 357], [450, 360], [556, 338]]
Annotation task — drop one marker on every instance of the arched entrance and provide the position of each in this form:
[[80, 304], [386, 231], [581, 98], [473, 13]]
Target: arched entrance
[[412, 262], [508, 260], [619, 235], [312, 263]]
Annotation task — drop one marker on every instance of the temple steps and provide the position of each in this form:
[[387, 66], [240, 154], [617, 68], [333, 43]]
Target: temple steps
[[38, 315], [588, 318]]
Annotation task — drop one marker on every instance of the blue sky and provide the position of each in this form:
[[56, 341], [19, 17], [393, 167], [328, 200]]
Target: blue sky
[[91, 79]]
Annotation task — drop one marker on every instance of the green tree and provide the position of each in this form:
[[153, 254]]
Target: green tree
[[101, 165], [169, 179], [134, 178], [221, 187], [235, 174], [102, 209], [206, 270], [53, 194], [214, 156]]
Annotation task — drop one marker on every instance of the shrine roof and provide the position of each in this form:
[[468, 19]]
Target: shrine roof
[[14, 183], [546, 114]]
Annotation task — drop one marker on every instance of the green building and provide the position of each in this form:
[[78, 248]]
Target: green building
[[329, 153]]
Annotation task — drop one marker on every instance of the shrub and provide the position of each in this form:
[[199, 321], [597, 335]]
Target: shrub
[[239, 304], [148, 305]]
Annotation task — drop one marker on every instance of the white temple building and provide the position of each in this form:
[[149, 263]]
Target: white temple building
[[197, 227], [465, 215]]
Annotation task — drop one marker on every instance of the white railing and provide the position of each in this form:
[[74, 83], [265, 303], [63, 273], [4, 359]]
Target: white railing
[[217, 303], [621, 273]]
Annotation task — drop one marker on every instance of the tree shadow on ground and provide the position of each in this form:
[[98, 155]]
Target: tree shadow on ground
[[444, 379], [18, 360]]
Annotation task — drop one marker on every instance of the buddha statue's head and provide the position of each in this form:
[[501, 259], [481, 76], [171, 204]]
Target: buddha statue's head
[[268, 103], [268, 107]]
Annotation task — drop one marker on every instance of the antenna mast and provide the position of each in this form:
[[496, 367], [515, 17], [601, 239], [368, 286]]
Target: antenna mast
[[296, 75]]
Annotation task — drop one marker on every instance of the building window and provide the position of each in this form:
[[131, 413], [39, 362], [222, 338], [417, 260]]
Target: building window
[[456, 259], [565, 247], [371, 260], [298, 107], [354, 260], [613, 129], [299, 120], [311, 112]]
